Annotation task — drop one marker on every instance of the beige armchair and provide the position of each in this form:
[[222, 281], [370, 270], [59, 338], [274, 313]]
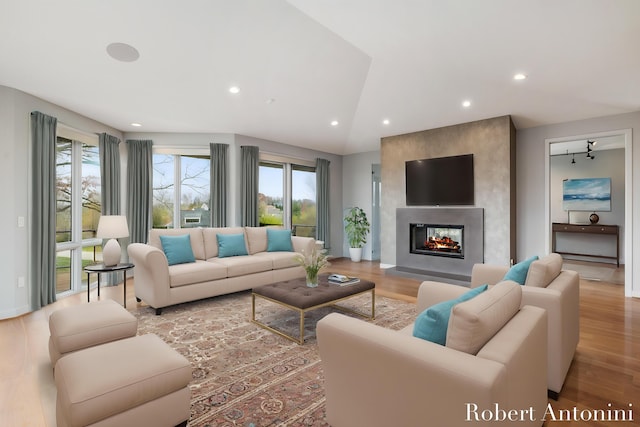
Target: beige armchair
[[558, 292], [379, 377]]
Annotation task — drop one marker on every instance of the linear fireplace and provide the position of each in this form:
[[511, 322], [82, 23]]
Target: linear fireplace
[[441, 244], [437, 240]]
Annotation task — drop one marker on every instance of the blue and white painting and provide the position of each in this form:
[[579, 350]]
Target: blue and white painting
[[586, 194]]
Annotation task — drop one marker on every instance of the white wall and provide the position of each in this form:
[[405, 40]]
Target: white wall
[[15, 170], [530, 151], [607, 164], [357, 191]]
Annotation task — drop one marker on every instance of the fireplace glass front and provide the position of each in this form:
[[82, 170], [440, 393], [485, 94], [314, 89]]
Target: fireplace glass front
[[437, 240]]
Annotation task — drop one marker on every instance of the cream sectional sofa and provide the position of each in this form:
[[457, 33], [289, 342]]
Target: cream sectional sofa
[[557, 291], [161, 285], [494, 359]]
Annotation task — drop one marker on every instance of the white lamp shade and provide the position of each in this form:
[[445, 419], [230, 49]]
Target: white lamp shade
[[112, 227]]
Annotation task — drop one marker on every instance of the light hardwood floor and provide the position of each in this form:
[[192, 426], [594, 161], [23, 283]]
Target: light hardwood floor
[[606, 368]]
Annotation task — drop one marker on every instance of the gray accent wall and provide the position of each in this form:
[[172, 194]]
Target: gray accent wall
[[492, 142]]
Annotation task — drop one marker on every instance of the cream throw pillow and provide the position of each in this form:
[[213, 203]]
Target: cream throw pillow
[[257, 239], [473, 323], [544, 271]]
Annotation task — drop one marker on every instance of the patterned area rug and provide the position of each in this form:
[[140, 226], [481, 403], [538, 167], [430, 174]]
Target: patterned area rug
[[244, 375]]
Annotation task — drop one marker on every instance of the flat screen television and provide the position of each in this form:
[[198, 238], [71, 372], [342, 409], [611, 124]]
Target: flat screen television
[[441, 181]]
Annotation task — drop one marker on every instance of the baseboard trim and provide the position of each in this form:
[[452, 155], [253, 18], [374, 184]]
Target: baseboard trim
[[15, 312]]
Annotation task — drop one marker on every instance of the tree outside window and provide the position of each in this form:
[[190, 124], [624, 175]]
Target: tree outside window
[[181, 200], [78, 208], [287, 197]]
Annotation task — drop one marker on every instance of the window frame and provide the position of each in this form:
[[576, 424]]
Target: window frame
[[288, 165], [76, 243], [178, 153]]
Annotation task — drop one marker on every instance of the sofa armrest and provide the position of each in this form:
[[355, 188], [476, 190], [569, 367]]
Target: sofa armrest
[[151, 274], [303, 244], [486, 274], [430, 293], [561, 300], [369, 369], [521, 345]]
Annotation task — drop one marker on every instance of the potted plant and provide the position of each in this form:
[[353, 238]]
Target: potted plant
[[357, 228]]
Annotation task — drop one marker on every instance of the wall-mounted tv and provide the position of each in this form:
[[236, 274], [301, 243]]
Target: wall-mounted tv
[[441, 181]]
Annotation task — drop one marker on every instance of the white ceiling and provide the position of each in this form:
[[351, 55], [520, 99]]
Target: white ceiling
[[356, 61]]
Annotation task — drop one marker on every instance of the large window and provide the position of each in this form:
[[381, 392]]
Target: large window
[[287, 196], [181, 191], [78, 209]]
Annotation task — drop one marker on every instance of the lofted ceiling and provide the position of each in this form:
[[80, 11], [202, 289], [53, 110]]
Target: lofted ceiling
[[301, 64]]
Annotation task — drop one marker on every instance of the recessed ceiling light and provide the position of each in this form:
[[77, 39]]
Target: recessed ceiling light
[[386, 122], [234, 89], [123, 52], [466, 104], [334, 123], [270, 100], [136, 125], [519, 76]]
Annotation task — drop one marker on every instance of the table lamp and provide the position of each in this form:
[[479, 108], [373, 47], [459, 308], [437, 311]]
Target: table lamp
[[112, 227]]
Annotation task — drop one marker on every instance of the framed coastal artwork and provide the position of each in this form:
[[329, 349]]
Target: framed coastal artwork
[[586, 194]]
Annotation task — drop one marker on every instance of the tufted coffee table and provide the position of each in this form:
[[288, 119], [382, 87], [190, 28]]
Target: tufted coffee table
[[295, 295]]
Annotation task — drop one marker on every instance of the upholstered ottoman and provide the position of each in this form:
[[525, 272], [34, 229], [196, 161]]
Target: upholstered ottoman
[[138, 381], [81, 326]]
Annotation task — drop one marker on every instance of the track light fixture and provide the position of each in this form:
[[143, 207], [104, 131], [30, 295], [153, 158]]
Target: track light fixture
[[590, 144], [573, 158]]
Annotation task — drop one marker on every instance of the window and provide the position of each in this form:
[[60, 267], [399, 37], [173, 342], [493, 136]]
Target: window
[[303, 201], [271, 194], [287, 196], [181, 191], [78, 208]]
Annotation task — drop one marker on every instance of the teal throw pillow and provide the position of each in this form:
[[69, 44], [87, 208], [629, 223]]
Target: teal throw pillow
[[432, 323], [177, 249], [231, 245], [279, 240], [518, 272]]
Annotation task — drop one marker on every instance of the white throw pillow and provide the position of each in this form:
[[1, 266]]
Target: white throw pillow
[[473, 323], [544, 271]]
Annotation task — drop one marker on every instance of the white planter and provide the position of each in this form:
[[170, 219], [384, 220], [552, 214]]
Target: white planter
[[355, 254]]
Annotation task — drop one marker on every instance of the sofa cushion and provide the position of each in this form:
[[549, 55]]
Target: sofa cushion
[[544, 271], [431, 324], [145, 368], [177, 249], [200, 271], [231, 245], [280, 259], [474, 322], [256, 239], [518, 273], [211, 241], [195, 235], [279, 240], [243, 265]]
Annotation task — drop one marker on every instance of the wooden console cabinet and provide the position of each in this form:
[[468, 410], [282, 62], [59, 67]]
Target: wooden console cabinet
[[557, 227]]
